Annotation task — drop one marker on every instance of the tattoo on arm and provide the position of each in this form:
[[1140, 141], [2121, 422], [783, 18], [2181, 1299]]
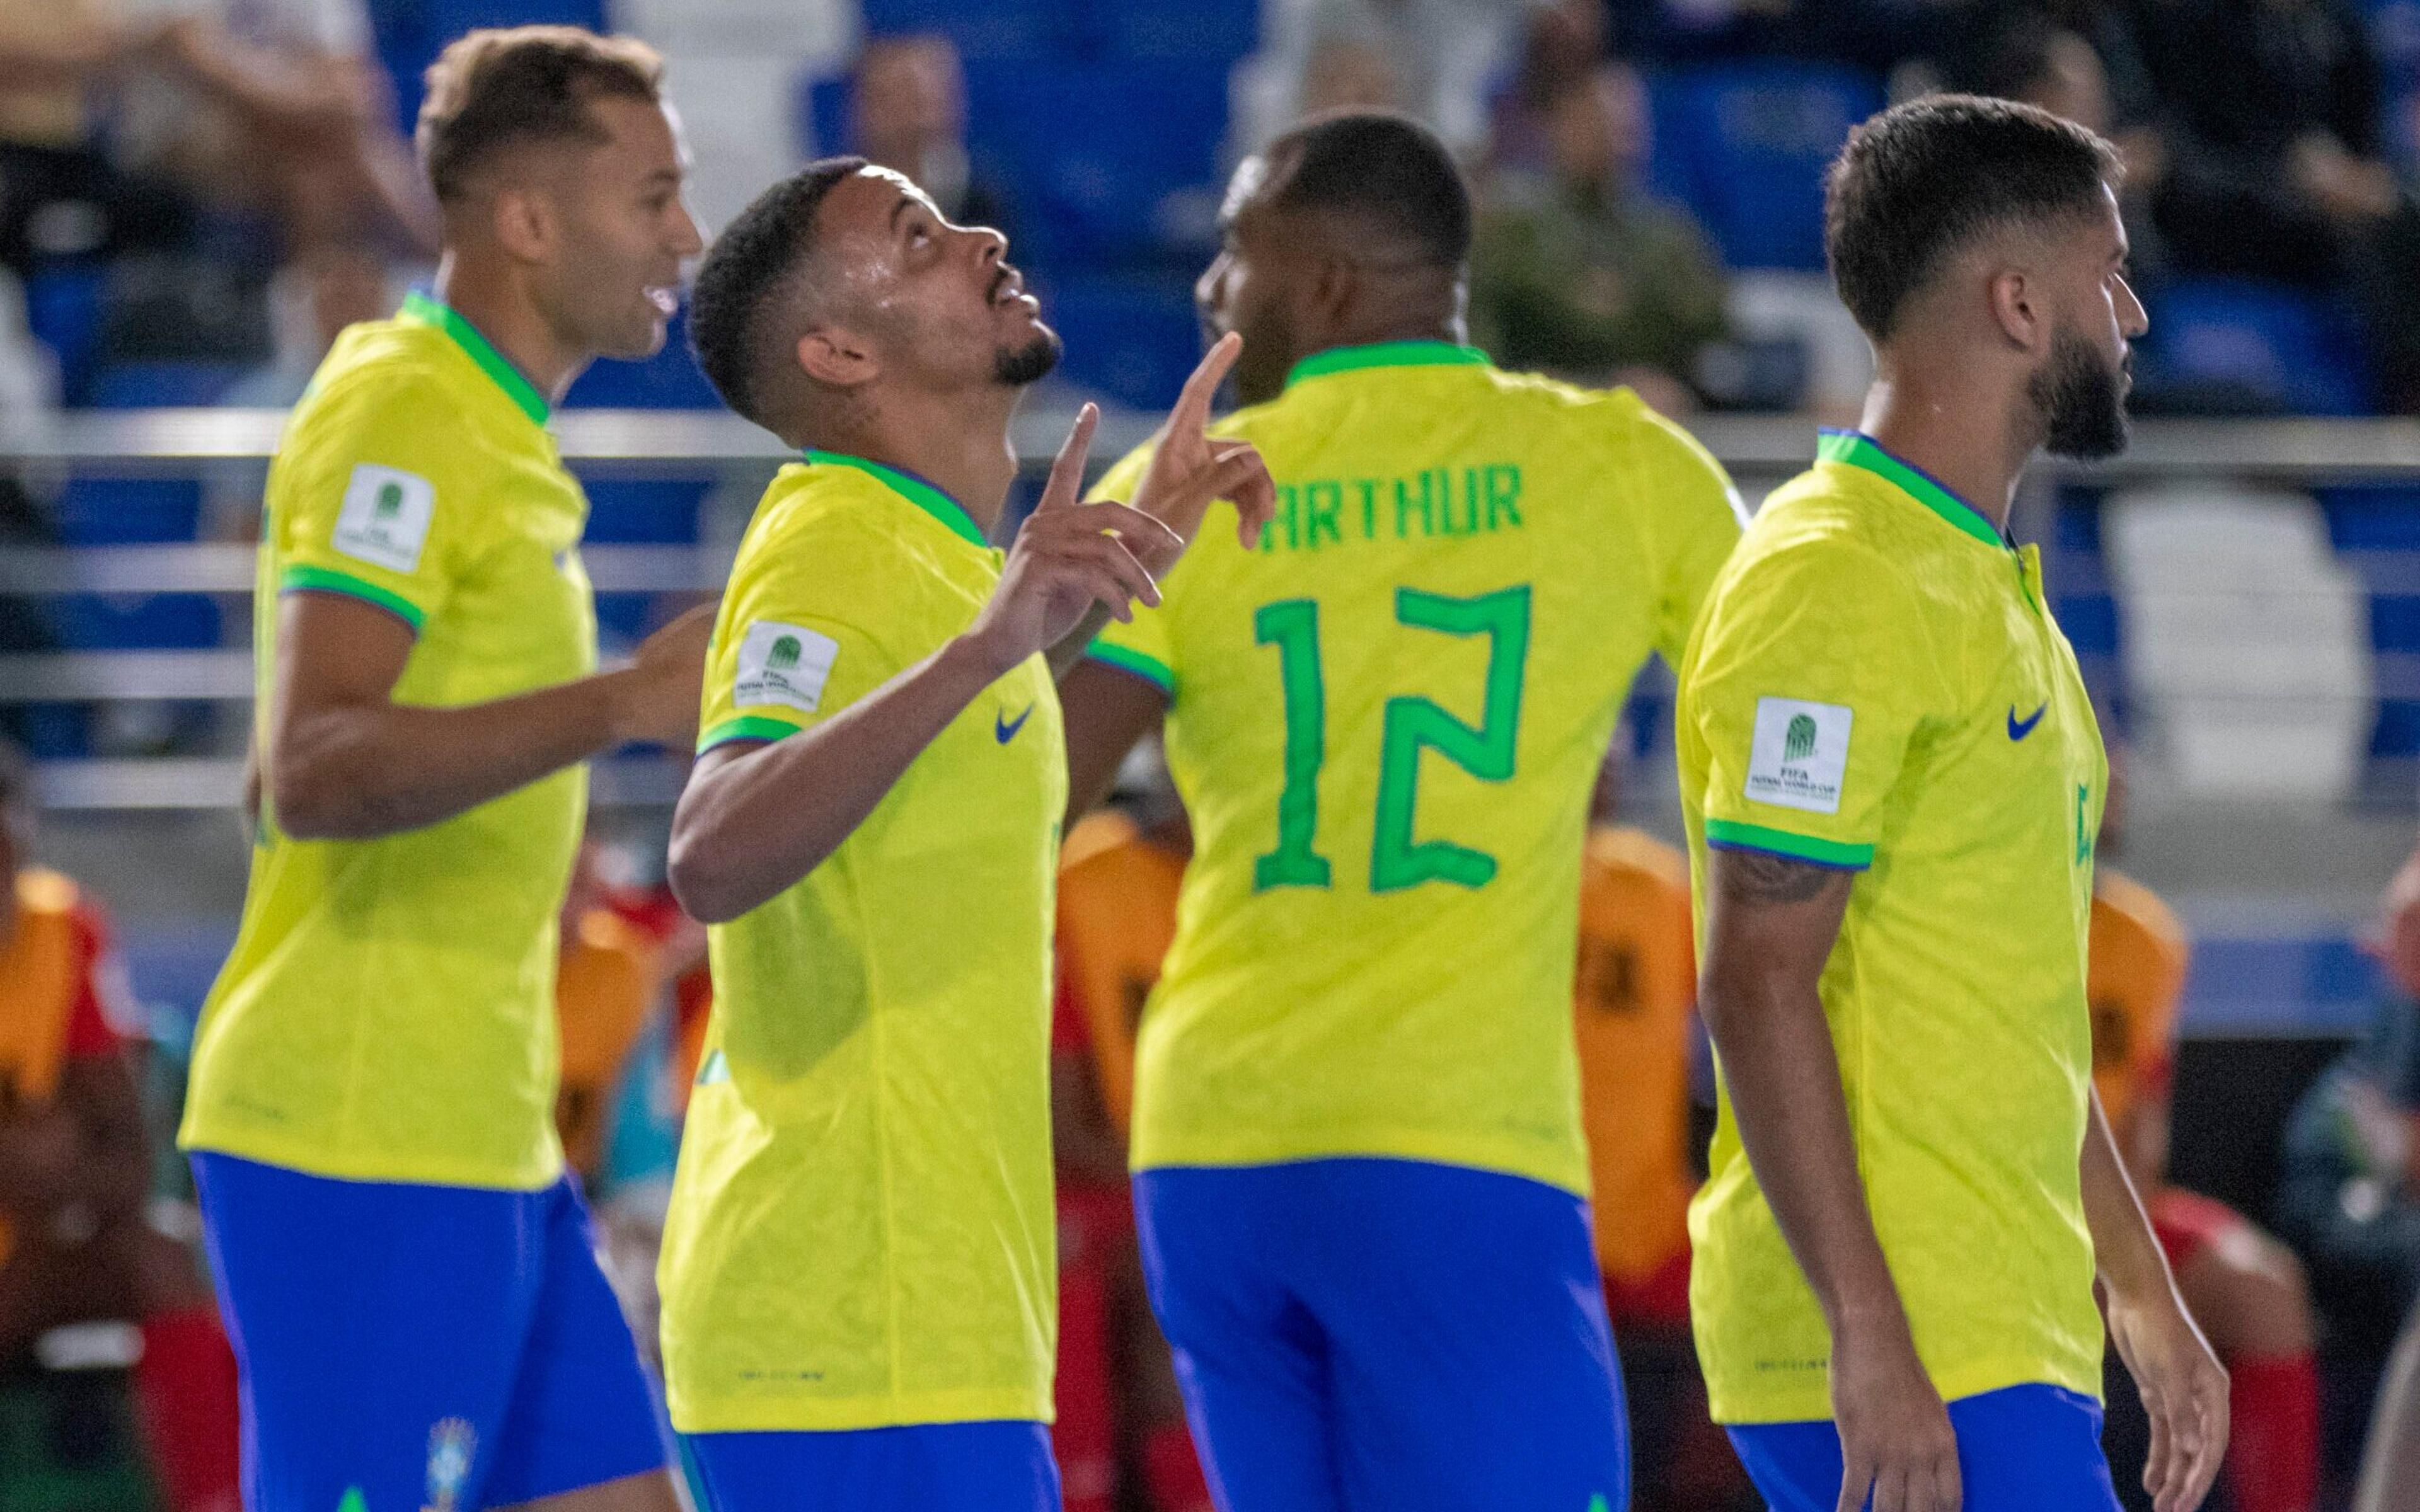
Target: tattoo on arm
[[1762, 877]]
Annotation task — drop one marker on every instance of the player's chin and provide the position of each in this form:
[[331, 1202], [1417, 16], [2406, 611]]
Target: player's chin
[[1028, 356]]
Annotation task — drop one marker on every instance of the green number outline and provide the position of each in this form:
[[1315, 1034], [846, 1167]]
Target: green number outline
[[1292, 625], [1488, 752]]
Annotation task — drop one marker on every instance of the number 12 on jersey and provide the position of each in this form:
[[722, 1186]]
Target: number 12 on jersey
[[1412, 724]]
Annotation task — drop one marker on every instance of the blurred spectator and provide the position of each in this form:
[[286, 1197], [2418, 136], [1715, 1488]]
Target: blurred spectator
[[1579, 271], [909, 114], [1118, 1397], [77, 1243], [60, 195], [281, 106], [2349, 1201], [2390, 1465], [606, 987], [2076, 75], [2278, 169], [1560, 45], [1435, 59], [2244, 1288]]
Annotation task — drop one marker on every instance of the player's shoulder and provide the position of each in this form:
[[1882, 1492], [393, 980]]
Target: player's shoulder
[[2121, 902], [385, 379], [1622, 852], [835, 513]]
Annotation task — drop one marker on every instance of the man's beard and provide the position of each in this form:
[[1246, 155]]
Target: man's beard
[[1018, 366], [2081, 400]]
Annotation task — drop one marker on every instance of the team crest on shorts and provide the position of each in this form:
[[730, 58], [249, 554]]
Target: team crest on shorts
[[451, 1443]]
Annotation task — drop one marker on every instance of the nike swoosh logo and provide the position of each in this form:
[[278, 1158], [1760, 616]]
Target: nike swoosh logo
[[2019, 729], [1004, 729]]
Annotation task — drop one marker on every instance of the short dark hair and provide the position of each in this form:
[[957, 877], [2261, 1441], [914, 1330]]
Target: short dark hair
[[1922, 180], [1384, 169], [750, 265], [500, 88]]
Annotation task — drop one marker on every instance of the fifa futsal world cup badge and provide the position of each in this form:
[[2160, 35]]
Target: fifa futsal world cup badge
[[451, 1446]]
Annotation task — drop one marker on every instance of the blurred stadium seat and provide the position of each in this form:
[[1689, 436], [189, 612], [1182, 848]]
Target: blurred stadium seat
[[1025, 29], [2237, 345], [1746, 146], [1133, 340]]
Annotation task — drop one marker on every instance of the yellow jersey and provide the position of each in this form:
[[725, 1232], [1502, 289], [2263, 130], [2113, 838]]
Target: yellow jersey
[[2140, 956], [1636, 981], [861, 1229], [1878, 686], [388, 1010], [1386, 723]]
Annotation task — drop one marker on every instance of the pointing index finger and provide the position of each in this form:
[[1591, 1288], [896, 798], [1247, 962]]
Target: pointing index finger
[[1192, 410], [1067, 472]]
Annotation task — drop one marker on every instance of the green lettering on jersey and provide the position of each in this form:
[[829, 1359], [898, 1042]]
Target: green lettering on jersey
[[1503, 496], [1313, 514], [1369, 487], [1321, 501], [1403, 506]]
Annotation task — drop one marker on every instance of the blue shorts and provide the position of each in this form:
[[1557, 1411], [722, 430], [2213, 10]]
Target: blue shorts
[[2020, 1449], [1365, 1333], [437, 1347], [928, 1467]]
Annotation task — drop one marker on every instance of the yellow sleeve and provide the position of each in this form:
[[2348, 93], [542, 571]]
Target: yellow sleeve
[[1802, 695], [1693, 516], [794, 642], [1142, 647], [368, 499]]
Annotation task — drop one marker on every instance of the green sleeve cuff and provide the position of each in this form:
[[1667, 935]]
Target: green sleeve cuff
[[1125, 658], [1730, 834], [329, 581], [747, 727]]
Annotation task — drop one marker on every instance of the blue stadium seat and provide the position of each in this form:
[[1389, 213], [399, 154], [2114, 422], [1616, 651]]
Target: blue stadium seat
[[160, 385], [409, 33], [1110, 164], [981, 28], [668, 380], [1746, 146], [2377, 531], [1110, 159], [1204, 31], [2258, 347], [1132, 339], [63, 311]]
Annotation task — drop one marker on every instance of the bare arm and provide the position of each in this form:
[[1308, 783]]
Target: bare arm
[[756, 818], [2183, 1384], [1771, 923], [344, 762], [1107, 711]]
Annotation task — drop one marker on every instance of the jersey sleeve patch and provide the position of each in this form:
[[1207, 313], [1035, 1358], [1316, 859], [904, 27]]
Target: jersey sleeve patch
[[786, 664], [385, 517], [1799, 754]]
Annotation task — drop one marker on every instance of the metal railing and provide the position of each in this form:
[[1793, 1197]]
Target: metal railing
[[692, 444]]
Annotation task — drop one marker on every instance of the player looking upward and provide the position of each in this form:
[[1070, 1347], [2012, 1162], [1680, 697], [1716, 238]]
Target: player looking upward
[[1892, 776], [409, 1274], [857, 1277], [1361, 1186]]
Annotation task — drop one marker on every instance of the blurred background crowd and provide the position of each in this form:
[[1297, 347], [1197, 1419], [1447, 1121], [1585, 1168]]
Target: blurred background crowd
[[196, 195]]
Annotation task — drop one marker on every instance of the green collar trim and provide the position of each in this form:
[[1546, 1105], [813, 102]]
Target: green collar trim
[[1386, 354], [1855, 449], [421, 310], [924, 496]]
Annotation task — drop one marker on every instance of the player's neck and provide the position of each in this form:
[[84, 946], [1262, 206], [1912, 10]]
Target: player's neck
[[957, 442], [1972, 445], [494, 303]]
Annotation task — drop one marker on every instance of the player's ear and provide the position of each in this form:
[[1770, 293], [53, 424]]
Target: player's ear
[[523, 222], [2016, 305], [1331, 290], [837, 357]]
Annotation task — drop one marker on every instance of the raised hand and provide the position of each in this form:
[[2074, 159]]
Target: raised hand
[[1068, 557], [1190, 469]]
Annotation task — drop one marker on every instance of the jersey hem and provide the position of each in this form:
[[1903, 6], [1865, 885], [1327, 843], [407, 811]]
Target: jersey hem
[[764, 1415], [1732, 834], [329, 581], [1815, 1406], [1564, 1170], [356, 1167], [1142, 664]]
